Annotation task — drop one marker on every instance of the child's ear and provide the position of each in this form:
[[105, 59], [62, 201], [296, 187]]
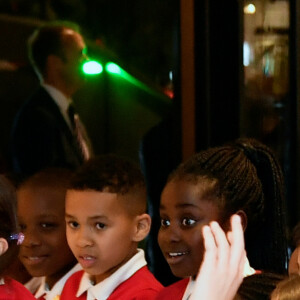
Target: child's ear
[[143, 224], [3, 246]]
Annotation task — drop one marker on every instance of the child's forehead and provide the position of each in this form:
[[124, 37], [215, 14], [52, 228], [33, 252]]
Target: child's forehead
[[198, 186], [91, 197], [41, 199], [183, 192], [91, 202], [104, 193], [44, 193]]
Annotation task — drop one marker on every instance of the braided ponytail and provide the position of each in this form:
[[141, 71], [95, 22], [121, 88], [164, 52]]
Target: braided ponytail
[[266, 240]]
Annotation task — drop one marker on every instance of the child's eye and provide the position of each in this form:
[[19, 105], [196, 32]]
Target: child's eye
[[164, 223], [188, 222], [73, 224], [100, 226], [48, 225]]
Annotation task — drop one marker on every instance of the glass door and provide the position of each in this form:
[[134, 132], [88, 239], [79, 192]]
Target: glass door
[[266, 73]]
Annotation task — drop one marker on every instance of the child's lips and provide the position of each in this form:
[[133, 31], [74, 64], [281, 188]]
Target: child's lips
[[176, 254], [87, 261], [174, 257], [34, 259]]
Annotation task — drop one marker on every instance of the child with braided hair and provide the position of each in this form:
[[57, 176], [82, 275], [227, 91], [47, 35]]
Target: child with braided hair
[[242, 178]]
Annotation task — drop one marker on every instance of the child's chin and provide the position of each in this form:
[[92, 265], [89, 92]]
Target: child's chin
[[182, 273]]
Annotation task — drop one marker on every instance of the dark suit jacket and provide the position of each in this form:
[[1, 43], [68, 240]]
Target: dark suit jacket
[[41, 137]]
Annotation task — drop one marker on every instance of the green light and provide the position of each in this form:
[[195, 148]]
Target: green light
[[92, 67], [113, 68]]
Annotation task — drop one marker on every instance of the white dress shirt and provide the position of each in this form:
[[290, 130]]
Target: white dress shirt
[[61, 100], [58, 286], [103, 289]]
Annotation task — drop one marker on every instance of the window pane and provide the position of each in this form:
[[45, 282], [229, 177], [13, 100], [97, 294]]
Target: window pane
[[266, 48]]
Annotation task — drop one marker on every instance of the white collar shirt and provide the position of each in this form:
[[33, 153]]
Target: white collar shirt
[[33, 284], [103, 289], [58, 286], [60, 99]]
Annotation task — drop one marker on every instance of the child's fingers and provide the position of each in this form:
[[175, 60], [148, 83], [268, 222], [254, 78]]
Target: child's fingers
[[210, 248], [223, 248], [205, 276], [237, 229], [209, 241], [236, 238], [229, 237]]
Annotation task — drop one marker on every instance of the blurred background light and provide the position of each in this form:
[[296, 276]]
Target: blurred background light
[[92, 67], [250, 9]]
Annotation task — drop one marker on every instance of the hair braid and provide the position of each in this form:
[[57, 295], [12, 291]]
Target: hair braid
[[272, 234], [248, 178]]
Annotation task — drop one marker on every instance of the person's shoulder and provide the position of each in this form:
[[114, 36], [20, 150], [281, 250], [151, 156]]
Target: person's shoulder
[[39, 98], [75, 277], [146, 278], [141, 285], [39, 107], [72, 284], [13, 289], [173, 291]]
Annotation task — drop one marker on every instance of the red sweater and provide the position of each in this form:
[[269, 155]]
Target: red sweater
[[174, 291], [142, 285], [13, 290]]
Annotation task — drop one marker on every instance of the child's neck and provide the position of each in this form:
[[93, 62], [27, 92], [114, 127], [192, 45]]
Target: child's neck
[[99, 278], [52, 279]]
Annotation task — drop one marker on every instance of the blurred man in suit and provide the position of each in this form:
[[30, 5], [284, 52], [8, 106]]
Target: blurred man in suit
[[46, 132]]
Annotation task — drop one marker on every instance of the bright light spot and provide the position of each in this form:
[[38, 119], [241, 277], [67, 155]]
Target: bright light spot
[[92, 67], [246, 54], [249, 9], [113, 68], [171, 76]]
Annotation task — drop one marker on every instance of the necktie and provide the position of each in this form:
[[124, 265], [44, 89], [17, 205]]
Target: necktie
[[71, 114], [80, 133]]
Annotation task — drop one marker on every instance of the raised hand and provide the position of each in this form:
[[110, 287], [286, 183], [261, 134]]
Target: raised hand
[[221, 271]]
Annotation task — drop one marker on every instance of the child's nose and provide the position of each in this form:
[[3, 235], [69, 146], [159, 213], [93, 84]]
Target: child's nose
[[172, 234], [83, 239], [31, 239]]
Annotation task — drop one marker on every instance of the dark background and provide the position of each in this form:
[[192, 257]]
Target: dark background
[[140, 36]]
